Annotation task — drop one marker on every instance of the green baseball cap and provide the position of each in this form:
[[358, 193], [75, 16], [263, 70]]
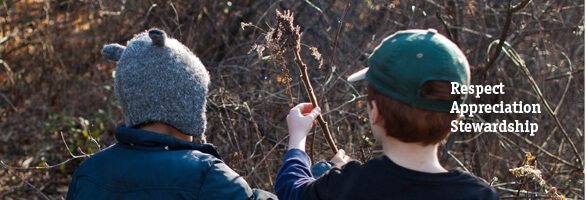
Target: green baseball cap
[[404, 61]]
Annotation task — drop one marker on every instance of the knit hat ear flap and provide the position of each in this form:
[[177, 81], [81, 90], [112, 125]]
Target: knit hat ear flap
[[157, 36], [113, 51]]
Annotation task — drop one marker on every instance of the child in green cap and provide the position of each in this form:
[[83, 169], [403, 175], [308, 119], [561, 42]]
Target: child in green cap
[[409, 100]]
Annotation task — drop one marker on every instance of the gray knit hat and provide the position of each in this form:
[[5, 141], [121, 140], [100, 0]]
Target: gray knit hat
[[158, 79]]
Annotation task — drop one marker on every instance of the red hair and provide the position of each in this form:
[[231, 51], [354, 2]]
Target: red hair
[[414, 125]]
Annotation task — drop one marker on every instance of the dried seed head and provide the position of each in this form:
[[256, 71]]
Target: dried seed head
[[553, 194], [529, 172], [286, 33], [244, 25], [315, 53]]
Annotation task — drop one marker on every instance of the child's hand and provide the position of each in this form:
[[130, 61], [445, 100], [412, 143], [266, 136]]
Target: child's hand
[[340, 159], [300, 120]]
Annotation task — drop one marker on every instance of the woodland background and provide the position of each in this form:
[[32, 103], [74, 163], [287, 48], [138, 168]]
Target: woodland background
[[56, 91]]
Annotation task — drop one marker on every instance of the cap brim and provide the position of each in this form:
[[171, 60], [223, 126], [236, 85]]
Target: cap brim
[[358, 76]]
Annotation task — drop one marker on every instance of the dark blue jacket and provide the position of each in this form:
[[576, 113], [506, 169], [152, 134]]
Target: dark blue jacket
[[379, 178], [147, 165]]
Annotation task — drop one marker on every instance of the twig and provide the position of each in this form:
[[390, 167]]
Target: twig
[[541, 149], [8, 71], [520, 186], [288, 35], [520, 6], [4, 166], [451, 30], [520, 63], [50, 166], [312, 145], [505, 31], [502, 38], [73, 157], [457, 161], [564, 75], [445, 24], [68, 149], [341, 22], [8, 101], [313, 99], [148, 13], [568, 84], [266, 156], [334, 49]]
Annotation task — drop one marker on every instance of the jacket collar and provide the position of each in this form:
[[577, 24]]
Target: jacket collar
[[148, 139]]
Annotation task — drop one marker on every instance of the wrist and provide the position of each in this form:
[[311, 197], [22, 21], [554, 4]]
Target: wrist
[[297, 144]]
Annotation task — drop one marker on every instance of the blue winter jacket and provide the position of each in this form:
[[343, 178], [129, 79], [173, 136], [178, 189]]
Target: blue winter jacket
[[147, 165]]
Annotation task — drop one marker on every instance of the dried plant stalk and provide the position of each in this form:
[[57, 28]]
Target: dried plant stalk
[[313, 99], [530, 171], [287, 36]]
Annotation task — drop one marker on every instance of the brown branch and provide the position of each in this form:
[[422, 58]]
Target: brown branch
[[341, 22], [313, 99], [266, 156], [446, 26], [504, 32], [520, 6], [520, 63], [502, 39], [285, 37], [312, 146]]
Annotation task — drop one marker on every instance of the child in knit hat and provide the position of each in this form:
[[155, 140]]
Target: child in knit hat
[[161, 152], [408, 104]]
